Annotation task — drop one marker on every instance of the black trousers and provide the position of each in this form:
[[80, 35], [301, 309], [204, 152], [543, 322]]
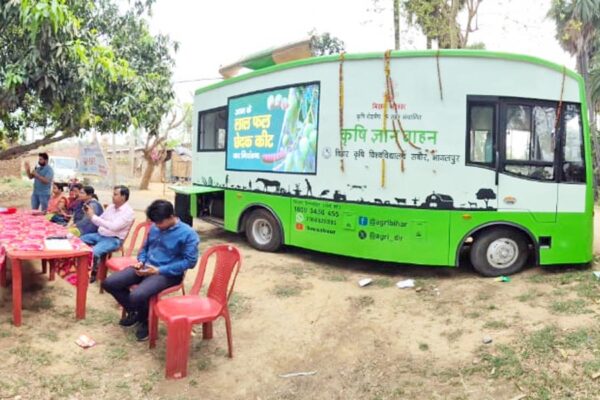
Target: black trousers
[[118, 285]]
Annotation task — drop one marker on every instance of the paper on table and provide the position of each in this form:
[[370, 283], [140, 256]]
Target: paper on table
[[58, 244]]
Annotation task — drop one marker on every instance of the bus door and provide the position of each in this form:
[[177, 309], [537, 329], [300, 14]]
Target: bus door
[[527, 173]]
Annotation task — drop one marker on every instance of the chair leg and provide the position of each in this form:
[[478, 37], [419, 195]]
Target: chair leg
[[152, 322], [53, 266], [228, 329], [44, 266], [179, 333], [207, 330], [101, 273]]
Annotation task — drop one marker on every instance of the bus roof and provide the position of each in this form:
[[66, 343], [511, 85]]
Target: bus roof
[[397, 54]]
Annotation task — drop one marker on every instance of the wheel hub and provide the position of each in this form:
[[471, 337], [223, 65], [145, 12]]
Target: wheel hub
[[502, 253], [262, 231]]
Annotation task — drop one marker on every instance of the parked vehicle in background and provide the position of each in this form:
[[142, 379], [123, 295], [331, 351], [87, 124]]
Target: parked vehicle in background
[[65, 169], [408, 157]]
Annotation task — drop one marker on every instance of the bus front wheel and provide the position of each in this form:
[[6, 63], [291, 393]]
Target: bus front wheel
[[263, 231], [500, 251]]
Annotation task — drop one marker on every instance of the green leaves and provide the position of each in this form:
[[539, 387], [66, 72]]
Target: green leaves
[[70, 65]]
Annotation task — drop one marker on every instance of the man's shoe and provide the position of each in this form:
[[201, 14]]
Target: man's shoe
[[142, 332], [131, 318], [93, 277]]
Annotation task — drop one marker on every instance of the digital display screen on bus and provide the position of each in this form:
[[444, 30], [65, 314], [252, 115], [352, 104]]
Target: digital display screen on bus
[[274, 130]]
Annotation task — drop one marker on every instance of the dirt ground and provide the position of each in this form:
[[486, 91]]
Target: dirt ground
[[302, 311]]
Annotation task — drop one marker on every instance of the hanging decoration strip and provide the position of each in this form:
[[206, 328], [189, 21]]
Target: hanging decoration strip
[[341, 106], [560, 102], [437, 60]]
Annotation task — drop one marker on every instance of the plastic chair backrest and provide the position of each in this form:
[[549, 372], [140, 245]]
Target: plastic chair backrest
[[228, 264], [142, 225]]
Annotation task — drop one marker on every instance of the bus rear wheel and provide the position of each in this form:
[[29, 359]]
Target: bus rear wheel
[[500, 251], [263, 231]]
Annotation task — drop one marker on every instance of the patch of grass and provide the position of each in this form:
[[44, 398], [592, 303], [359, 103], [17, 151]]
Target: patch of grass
[[334, 277], [99, 317], [541, 344], [383, 282], [287, 290], [569, 307], [453, 335], [239, 304], [423, 346], [203, 363], [483, 295], [491, 307], [27, 354], [529, 296], [66, 385], [42, 303], [51, 336], [473, 314], [495, 325], [117, 353], [4, 333], [360, 302], [504, 363]]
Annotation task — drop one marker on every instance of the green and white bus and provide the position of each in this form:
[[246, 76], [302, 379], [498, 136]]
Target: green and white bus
[[409, 157]]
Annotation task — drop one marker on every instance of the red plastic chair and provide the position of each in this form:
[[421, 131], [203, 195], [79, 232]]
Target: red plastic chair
[[127, 258], [180, 313]]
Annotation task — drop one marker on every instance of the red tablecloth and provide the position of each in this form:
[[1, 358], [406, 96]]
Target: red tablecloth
[[22, 237]]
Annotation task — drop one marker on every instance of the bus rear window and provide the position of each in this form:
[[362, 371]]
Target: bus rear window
[[212, 129], [573, 163]]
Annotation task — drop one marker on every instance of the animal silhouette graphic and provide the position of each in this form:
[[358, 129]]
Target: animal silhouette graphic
[[339, 196], [472, 204], [269, 183], [400, 201], [324, 193], [378, 201]]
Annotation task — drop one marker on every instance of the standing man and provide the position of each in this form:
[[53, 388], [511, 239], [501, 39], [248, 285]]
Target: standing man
[[170, 249], [42, 177], [113, 227]]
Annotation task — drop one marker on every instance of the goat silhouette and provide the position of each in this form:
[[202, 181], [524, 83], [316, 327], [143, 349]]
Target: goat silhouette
[[269, 183]]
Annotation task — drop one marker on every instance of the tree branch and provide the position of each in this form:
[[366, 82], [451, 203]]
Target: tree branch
[[16, 151]]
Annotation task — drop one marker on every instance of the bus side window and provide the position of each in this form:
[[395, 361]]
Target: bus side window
[[481, 134], [530, 137], [573, 167], [212, 128]]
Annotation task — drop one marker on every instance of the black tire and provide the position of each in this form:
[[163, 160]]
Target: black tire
[[499, 251], [263, 231]]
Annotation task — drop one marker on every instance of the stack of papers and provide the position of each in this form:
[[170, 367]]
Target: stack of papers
[[58, 244]]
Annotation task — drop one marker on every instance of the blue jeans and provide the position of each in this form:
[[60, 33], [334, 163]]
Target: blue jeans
[[102, 245], [38, 200], [118, 285]]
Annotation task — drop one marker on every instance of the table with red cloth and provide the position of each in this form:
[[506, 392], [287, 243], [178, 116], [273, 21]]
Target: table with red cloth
[[22, 237]]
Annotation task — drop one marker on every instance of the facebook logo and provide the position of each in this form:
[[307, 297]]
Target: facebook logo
[[363, 221]]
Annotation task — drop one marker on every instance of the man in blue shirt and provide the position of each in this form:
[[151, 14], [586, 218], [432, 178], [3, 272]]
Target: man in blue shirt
[[42, 177], [170, 249]]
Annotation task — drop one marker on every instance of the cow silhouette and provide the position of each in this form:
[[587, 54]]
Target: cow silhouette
[[472, 204], [269, 183]]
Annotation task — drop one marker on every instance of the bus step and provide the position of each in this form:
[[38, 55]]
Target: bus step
[[213, 220]]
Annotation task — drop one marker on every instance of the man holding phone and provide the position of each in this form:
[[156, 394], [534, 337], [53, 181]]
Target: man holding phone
[[170, 249]]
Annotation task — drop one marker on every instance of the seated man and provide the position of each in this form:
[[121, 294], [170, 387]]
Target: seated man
[[113, 227], [171, 249]]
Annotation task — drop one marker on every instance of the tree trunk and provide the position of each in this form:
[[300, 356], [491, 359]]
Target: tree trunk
[[396, 24], [147, 175]]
